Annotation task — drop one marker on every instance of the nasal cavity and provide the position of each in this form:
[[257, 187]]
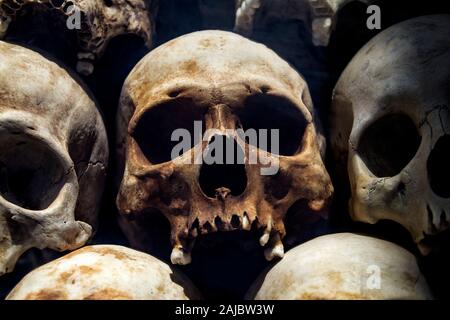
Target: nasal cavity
[[223, 169], [439, 168]]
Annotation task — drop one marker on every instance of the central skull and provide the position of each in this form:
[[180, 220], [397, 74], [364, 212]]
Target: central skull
[[230, 85]]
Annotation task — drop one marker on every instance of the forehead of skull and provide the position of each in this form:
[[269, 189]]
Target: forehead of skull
[[409, 60], [209, 59], [29, 82]]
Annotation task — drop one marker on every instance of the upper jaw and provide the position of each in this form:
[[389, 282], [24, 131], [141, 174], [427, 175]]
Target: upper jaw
[[269, 238]]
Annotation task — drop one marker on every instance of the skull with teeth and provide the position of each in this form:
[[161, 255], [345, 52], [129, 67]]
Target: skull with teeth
[[229, 85], [99, 22], [318, 15], [53, 154], [391, 124]]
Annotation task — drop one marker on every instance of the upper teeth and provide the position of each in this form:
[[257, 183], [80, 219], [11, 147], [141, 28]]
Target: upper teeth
[[264, 239]]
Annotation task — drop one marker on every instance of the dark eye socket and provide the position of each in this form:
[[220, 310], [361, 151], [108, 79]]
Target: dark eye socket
[[274, 112], [31, 175], [389, 144], [154, 129]]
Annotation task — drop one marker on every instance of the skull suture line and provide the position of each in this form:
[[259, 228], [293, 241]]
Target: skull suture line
[[53, 154], [391, 122], [229, 82], [99, 22]]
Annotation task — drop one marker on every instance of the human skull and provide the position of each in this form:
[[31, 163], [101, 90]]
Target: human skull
[[217, 14], [53, 154], [319, 16], [343, 266], [104, 272], [95, 21], [391, 122], [228, 82]]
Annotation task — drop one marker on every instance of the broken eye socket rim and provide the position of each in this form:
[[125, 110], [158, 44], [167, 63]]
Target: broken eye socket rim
[[36, 183], [389, 144]]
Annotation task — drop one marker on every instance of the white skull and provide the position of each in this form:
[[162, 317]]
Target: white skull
[[53, 154], [343, 266], [104, 272], [229, 83], [391, 122]]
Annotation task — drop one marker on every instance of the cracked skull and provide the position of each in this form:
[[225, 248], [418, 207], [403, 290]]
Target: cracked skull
[[391, 124], [96, 22], [229, 84], [53, 153]]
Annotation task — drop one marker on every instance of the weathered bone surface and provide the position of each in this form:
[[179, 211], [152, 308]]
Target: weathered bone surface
[[104, 272], [228, 82], [391, 121], [53, 156], [100, 22], [318, 15], [343, 266]]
